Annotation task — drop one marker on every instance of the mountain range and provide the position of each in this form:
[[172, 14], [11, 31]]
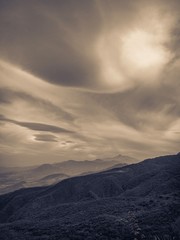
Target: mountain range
[[136, 201], [12, 179]]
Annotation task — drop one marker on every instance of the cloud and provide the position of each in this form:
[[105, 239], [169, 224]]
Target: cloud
[[57, 50], [36, 126], [145, 108], [95, 54], [88, 79], [45, 138], [8, 96]]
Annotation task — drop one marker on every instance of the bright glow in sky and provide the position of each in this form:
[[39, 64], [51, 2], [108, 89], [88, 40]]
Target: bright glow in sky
[[143, 50], [126, 57], [88, 79]]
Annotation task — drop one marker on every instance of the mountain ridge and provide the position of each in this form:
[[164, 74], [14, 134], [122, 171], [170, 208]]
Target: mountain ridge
[[147, 190], [11, 178]]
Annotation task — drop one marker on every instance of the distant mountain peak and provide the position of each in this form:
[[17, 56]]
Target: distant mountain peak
[[122, 159], [119, 155], [44, 166], [98, 160]]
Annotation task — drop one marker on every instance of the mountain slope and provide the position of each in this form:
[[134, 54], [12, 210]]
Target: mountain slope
[[146, 195]]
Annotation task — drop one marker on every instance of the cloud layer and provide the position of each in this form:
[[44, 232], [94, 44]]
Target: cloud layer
[[41, 127], [94, 45], [88, 79]]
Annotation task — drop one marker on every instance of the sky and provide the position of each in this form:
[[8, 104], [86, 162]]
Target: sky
[[88, 79]]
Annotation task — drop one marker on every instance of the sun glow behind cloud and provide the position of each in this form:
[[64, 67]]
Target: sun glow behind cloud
[[107, 72], [138, 53], [143, 51]]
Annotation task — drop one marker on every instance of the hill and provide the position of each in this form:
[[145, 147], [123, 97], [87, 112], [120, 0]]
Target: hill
[[139, 201]]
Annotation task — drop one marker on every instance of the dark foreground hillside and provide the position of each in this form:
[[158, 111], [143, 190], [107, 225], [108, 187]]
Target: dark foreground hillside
[[139, 201]]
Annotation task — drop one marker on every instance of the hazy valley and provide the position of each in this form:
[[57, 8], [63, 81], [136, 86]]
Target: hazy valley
[[46, 174]]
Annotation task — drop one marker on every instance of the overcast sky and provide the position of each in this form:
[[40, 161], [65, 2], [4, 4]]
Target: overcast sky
[[86, 79]]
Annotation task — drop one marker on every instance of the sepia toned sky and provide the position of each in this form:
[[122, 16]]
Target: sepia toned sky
[[88, 79]]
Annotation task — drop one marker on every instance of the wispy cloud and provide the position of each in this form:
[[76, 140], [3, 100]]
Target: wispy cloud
[[36, 126], [45, 138], [88, 79]]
